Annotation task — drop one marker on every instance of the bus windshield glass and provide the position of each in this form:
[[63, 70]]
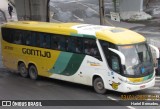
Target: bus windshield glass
[[138, 59]]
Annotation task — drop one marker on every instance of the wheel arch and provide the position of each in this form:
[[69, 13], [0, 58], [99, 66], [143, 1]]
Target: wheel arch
[[19, 62], [96, 76], [95, 84], [32, 63]]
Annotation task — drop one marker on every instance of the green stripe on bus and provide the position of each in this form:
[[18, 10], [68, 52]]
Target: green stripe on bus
[[61, 62], [89, 36], [77, 35], [148, 77], [73, 65], [83, 35]]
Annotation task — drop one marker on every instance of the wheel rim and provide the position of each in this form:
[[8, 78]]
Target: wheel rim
[[23, 70], [33, 73], [100, 85]]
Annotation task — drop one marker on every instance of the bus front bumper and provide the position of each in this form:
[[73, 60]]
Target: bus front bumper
[[128, 87]]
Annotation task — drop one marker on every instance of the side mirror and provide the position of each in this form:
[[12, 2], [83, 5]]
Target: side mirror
[[120, 54], [156, 49], [157, 55]]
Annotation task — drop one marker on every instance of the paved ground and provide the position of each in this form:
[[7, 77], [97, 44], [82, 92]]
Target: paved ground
[[14, 87]]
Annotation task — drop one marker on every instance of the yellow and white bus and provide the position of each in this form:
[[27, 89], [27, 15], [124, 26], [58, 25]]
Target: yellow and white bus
[[100, 56]]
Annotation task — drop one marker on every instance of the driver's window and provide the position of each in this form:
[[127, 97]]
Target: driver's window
[[115, 66], [112, 58]]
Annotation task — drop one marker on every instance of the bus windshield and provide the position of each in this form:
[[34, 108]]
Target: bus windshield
[[138, 59]]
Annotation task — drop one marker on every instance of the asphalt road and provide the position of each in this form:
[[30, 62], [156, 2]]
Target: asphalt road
[[14, 87]]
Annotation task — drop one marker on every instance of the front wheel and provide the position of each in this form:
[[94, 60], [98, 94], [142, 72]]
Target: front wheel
[[99, 85], [33, 73]]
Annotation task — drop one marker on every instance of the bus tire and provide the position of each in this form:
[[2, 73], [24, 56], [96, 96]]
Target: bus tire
[[33, 73], [99, 85], [23, 70]]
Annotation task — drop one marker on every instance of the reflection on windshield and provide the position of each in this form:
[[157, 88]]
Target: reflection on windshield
[[138, 59]]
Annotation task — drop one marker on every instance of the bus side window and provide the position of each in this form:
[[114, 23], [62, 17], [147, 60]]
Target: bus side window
[[47, 41], [23, 38], [54, 42], [74, 44], [6, 34], [62, 43], [79, 45], [33, 39], [90, 48], [41, 35], [27, 38], [11, 34], [20, 37], [37, 39], [71, 44], [86, 47], [17, 37]]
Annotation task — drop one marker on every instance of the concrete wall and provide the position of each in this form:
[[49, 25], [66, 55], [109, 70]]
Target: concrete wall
[[131, 5], [22, 7], [35, 10], [132, 10]]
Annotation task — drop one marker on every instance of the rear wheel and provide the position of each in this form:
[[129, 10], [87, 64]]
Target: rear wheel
[[23, 70], [33, 73], [99, 85]]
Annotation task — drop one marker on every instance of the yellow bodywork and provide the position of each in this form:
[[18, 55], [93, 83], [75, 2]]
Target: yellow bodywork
[[13, 55], [56, 28], [135, 80], [13, 52], [122, 37]]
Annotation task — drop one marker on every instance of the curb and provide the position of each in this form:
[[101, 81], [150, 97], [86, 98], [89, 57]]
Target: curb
[[147, 32]]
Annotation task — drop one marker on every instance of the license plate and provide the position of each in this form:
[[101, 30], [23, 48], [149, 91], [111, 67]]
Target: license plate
[[143, 86]]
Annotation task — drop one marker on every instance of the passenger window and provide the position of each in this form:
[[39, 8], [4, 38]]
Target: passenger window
[[6, 34], [10, 35], [54, 42], [33, 39], [71, 42], [58, 42], [37, 39], [90, 48], [17, 37], [44, 40], [62, 43], [79, 45], [47, 41], [27, 38]]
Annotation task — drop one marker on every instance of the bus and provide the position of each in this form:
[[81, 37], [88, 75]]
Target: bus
[[107, 58]]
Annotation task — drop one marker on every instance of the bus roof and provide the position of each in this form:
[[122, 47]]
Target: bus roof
[[114, 35]]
